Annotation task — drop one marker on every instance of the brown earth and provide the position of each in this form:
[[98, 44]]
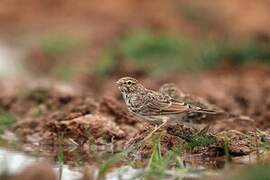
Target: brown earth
[[50, 117]]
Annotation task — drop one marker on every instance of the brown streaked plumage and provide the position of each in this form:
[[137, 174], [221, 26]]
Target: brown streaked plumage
[[155, 107], [174, 92]]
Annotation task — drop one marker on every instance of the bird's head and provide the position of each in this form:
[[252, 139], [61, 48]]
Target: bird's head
[[128, 85]]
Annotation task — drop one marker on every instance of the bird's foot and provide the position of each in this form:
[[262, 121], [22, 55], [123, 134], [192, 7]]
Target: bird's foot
[[155, 130]]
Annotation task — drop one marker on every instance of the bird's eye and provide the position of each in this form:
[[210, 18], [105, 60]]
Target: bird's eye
[[129, 82]]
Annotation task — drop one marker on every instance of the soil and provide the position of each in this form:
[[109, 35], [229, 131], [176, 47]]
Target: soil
[[50, 117]]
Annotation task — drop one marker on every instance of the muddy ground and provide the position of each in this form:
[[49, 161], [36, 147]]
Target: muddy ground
[[51, 116]]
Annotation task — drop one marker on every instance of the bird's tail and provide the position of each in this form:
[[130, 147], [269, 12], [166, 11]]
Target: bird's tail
[[206, 111], [240, 117], [223, 114]]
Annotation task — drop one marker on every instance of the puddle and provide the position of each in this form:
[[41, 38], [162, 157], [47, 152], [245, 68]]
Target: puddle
[[14, 162], [193, 166], [125, 172]]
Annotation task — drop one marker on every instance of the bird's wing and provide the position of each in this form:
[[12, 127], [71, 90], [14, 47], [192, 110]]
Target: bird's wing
[[164, 105], [201, 103], [192, 100], [158, 105], [175, 93]]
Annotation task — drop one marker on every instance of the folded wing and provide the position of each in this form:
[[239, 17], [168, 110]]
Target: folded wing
[[167, 106]]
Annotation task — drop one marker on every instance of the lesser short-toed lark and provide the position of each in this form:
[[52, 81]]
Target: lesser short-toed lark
[[155, 107]]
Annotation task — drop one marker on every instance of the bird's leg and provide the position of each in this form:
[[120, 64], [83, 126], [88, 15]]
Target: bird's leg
[[155, 129]]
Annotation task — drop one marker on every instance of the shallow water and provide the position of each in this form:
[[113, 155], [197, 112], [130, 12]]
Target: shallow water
[[193, 166], [14, 162]]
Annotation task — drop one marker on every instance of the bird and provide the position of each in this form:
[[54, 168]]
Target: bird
[[154, 107]]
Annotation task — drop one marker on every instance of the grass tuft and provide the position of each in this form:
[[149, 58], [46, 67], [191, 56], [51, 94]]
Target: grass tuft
[[61, 160], [226, 149], [200, 141], [158, 164], [104, 168], [6, 120], [264, 146]]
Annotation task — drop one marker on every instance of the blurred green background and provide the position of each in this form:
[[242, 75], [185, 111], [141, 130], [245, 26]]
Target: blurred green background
[[70, 40]]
